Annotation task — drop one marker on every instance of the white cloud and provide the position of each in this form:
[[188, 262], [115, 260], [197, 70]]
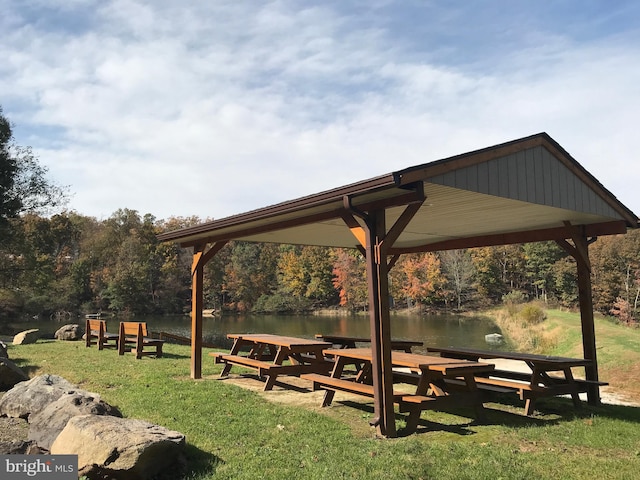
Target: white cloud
[[214, 108]]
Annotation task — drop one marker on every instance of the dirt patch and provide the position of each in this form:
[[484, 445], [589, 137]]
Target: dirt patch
[[289, 391]]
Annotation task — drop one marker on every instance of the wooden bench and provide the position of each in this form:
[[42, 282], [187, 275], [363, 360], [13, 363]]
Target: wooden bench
[[263, 368], [324, 382], [408, 403], [528, 392], [97, 329], [135, 336]]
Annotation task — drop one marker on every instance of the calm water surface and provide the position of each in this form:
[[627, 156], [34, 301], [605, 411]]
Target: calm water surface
[[436, 330]]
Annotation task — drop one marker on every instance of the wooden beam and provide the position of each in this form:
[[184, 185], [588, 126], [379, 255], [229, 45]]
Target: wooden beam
[[393, 262], [355, 228], [547, 234]]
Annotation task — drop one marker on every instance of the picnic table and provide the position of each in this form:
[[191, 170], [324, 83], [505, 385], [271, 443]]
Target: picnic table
[[427, 373], [273, 355], [528, 385], [340, 341]]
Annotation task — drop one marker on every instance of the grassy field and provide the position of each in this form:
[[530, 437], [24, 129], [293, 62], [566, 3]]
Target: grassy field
[[618, 347], [237, 433]]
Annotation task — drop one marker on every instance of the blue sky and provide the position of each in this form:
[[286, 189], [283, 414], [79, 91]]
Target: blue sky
[[215, 108]]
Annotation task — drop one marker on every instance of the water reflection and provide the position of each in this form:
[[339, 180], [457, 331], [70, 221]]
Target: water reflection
[[436, 330]]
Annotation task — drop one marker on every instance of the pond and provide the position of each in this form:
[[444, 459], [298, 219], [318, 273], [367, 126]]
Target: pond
[[436, 330]]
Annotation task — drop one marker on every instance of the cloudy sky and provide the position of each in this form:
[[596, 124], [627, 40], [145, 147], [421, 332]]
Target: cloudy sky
[[211, 108]]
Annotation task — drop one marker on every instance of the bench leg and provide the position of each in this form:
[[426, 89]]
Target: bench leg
[[225, 370], [328, 397], [529, 406], [271, 381], [412, 420]]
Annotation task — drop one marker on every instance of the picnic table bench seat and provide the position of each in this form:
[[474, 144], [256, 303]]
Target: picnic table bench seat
[[262, 367], [324, 382], [409, 403], [134, 337]]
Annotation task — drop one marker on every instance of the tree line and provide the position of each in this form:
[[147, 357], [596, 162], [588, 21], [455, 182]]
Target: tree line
[[71, 262], [68, 262]]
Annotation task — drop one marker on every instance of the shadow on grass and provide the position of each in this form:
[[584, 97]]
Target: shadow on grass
[[508, 411], [173, 355], [28, 369], [200, 464], [424, 425]]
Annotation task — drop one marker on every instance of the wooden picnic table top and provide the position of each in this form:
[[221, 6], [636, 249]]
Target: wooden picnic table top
[[415, 360], [472, 353], [278, 340], [347, 340]]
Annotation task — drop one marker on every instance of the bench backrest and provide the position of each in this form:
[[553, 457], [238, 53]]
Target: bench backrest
[[97, 326], [133, 329]]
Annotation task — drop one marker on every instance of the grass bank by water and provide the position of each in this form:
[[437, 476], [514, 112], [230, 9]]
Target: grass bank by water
[[235, 433], [617, 346]]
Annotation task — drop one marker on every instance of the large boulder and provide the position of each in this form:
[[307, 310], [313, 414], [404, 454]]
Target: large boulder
[[45, 425], [3, 350], [68, 332], [117, 448], [10, 374], [28, 336], [30, 397]]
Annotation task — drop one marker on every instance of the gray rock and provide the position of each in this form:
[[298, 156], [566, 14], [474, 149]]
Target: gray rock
[[28, 336], [19, 447], [68, 332], [10, 374], [47, 424], [120, 448], [30, 397]]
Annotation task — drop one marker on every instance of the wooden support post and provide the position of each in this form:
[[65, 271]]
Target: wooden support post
[[197, 280], [586, 316], [377, 275], [374, 242], [580, 252]]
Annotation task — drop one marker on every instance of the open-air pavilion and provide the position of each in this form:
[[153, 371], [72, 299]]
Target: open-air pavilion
[[526, 190]]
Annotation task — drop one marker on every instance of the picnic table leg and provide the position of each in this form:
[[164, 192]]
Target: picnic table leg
[[530, 397], [478, 406], [568, 375], [335, 373], [235, 349], [281, 356], [421, 390]]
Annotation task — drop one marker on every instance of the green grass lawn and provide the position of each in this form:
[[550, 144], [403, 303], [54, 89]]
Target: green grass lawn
[[235, 433]]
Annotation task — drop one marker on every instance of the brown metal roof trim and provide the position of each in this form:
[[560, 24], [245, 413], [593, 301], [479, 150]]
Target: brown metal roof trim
[[310, 201]]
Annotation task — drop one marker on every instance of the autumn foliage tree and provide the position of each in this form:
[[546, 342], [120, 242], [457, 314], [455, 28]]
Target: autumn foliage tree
[[349, 278], [423, 279]]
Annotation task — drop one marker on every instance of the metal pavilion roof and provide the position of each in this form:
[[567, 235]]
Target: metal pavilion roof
[[525, 190]]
